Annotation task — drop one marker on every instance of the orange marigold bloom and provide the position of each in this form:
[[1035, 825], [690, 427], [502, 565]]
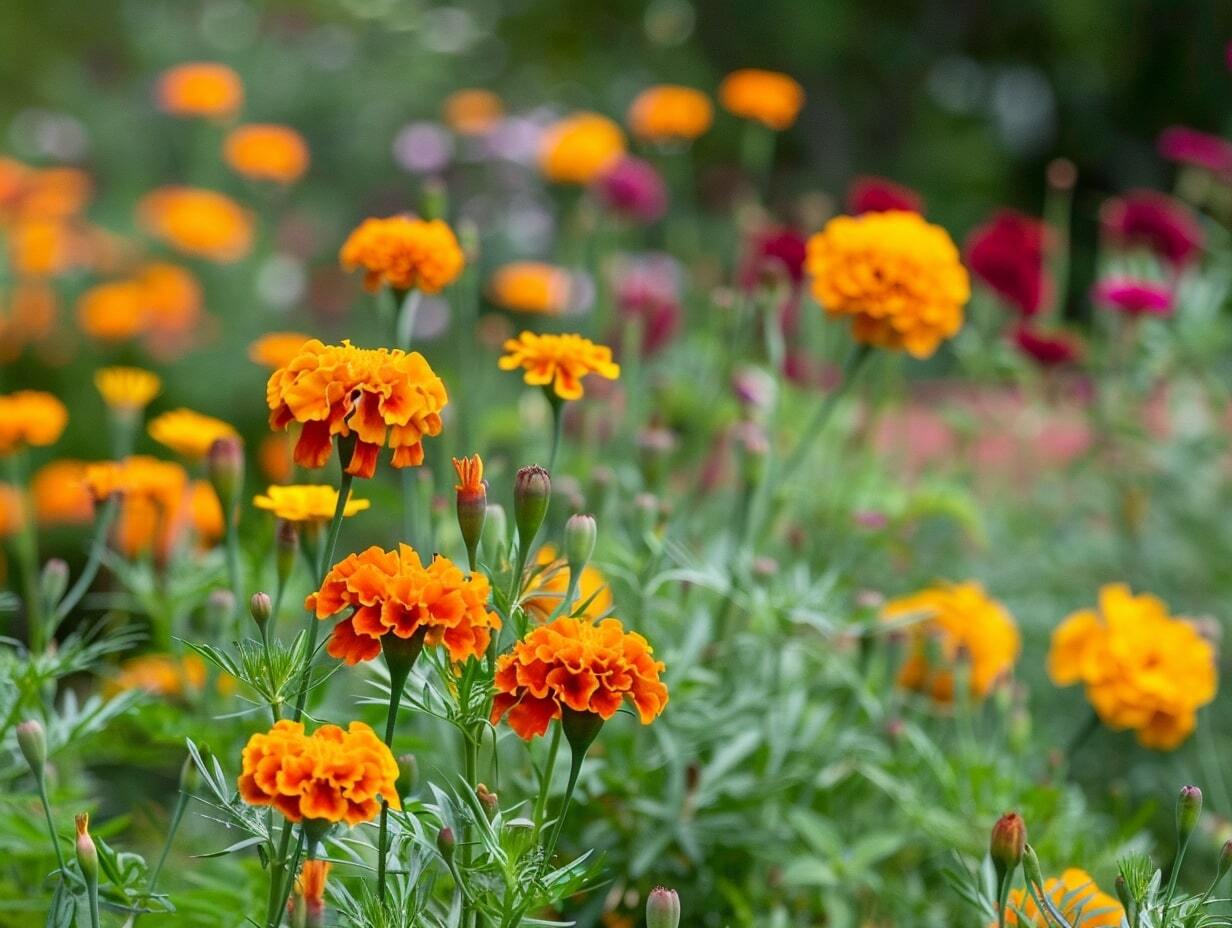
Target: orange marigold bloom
[[530, 287], [30, 418], [205, 512], [307, 503], [42, 247], [897, 276], [331, 775], [154, 500], [274, 457], [579, 148], [550, 581], [163, 675], [405, 253], [669, 112], [197, 222], [559, 361], [380, 396], [60, 494], [392, 592], [1074, 894], [472, 111], [276, 349], [113, 311], [470, 476], [580, 665], [12, 511], [263, 151], [768, 97], [310, 887], [959, 622], [127, 389], [55, 193], [32, 312], [1142, 668], [189, 433], [199, 88], [171, 298]]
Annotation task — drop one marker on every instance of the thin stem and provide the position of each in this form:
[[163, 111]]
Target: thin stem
[[51, 825], [98, 545], [855, 362], [545, 781], [234, 574], [575, 768], [275, 917], [399, 658], [1174, 875], [26, 549], [181, 804], [558, 427]]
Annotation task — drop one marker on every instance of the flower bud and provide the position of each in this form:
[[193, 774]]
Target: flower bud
[[87, 853], [32, 740], [408, 774], [472, 501], [580, 531], [495, 534], [445, 843], [219, 607], [488, 799], [1188, 809], [517, 836], [1009, 837], [286, 540], [1031, 868], [261, 607], [224, 463], [662, 908], [532, 488], [190, 776], [1225, 861], [53, 582]]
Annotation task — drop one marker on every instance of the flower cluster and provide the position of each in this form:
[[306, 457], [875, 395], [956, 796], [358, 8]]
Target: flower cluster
[[958, 621], [160, 302], [579, 665], [331, 775], [767, 97], [897, 277], [306, 504], [377, 395], [1074, 894], [405, 253], [558, 361], [30, 418], [391, 592], [1143, 669], [60, 493]]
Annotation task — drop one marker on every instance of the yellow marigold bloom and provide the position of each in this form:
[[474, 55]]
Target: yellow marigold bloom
[[405, 253], [550, 580], [897, 276], [276, 349], [60, 494], [329, 776], [199, 88], [959, 622], [127, 389], [530, 287], [197, 222], [382, 396], [558, 361], [30, 418], [153, 502], [12, 511], [263, 151], [579, 148], [112, 311], [306, 503], [1074, 894], [768, 97], [669, 112], [1142, 668], [472, 111], [189, 433], [578, 665]]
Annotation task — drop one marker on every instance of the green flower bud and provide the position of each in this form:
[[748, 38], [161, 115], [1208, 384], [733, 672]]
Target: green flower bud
[[1188, 810], [190, 776], [286, 537], [580, 532], [517, 836], [1031, 868], [408, 774], [1009, 837], [32, 740], [261, 607], [1225, 861], [445, 843], [87, 853], [662, 908], [495, 534], [53, 582], [224, 463], [532, 489], [471, 502]]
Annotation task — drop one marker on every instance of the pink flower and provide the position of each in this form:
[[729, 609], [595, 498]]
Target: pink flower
[[1153, 220], [633, 189], [1134, 297], [773, 252], [1007, 254], [1047, 349], [878, 195], [1189, 146], [647, 290]]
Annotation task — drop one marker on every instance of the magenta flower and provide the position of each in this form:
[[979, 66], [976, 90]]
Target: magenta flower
[[1199, 149], [1155, 221], [1133, 297], [647, 289], [879, 195], [1047, 349], [1007, 254], [633, 188]]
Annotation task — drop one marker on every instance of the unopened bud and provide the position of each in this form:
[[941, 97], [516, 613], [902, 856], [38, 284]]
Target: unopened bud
[[53, 582], [532, 488], [261, 607], [286, 539], [472, 502], [489, 800], [495, 534], [408, 774], [1225, 861], [1009, 837], [87, 853], [1031, 868], [662, 908], [1062, 174], [517, 836], [445, 843], [580, 532], [32, 740], [219, 607], [224, 463], [1188, 809], [190, 776]]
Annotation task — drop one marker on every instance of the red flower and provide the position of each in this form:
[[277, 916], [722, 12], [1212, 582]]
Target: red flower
[[1048, 349], [1133, 297], [1007, 254], [1189, 146], [1153, 220], [773, 252], [632, 188], [878, 195]]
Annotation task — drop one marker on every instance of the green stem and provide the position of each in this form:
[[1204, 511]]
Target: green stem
[[181, 803], [279, 900], [400, 656], [855, 362], [407, 313], [575, 768], [558, 427], [26, 548], [1173, 876], [545, 781], [234, 574], [51, 825], [98, 545]]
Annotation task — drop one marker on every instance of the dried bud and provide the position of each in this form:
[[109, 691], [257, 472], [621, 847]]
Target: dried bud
[[224, 463], [580, 532], [32, 740], [445, 843], [1009, 837], [532, 488], [53, 582], [489, 800], [261, 607], [1188, 809], [472, 502], [286, 537], [662, 908], [87, 853]]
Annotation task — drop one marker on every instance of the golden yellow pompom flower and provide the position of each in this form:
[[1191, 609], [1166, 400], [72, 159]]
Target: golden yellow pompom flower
[[199, 88], [197, 222], [264, 151], [768, 97], [895, 275], [311, 503], [276, 349], [558, 361], [669, 112], [30, 418], [579, 148], [188, 433], [530, 287], [127, 389], [472, 111], [1142, 668], [405, 253], [1073, 894]]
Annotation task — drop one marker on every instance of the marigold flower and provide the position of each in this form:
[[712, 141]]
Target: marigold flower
[[549, 580], [112, 311], [580, 665], [307, 503], [199, 88], [205, 514], [276, 349], [60, 494], [1007, 254], [263, 151], [154, 502], [965, 624], [12, 510], [1144, 218], [579, 148], [472, 111], [1133, 297], [30, 418], [310, 887], [127, 389], [42, 247], [33, 308], [1142, 668], [879, 195], [197, 222], [162, 675], [670, 112], [897, 277], [171, 298], [405, 253], [331, 775], [376, 394], [55, 193], [530, 287], [558, 361], [188, 433], [1074, 894], [768, 97]]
